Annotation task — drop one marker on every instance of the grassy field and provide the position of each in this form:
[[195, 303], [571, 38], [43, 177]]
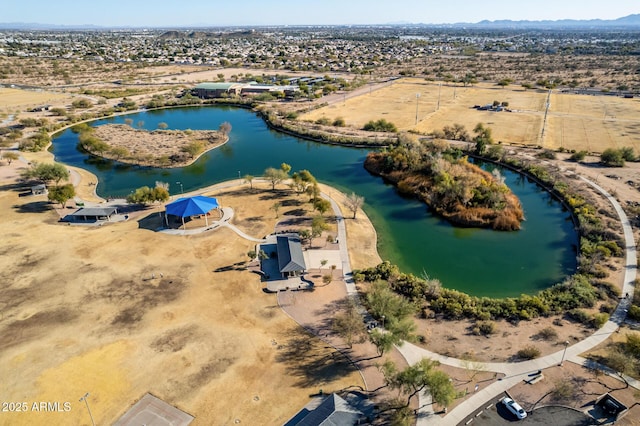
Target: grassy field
[[574, 121]]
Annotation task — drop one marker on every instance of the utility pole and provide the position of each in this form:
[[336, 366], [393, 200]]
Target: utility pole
[[417, 97], [84, 398]]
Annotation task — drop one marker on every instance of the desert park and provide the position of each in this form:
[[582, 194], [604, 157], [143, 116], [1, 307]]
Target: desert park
[[120, 311]]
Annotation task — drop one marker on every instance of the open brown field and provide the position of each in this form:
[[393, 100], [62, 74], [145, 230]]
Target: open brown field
[[119, 311], [17, 100], [593, 123], [574, 121]]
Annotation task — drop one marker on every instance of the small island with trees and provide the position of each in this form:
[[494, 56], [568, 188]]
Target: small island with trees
[[455, 189], [158, 148]]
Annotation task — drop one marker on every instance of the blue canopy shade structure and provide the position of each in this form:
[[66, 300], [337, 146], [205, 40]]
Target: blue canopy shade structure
[[192, 206]]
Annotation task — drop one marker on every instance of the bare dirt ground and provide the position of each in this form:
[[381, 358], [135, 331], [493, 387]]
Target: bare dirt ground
[[164, 148]]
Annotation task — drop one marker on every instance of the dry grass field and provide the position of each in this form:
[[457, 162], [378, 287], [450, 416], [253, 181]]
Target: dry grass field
[[17, 100], [593, 123], [118, 311], [574, 121]]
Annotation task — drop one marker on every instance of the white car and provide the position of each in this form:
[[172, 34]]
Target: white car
[[515, 408]]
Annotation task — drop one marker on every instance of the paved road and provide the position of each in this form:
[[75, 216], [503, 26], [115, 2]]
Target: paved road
[[515, 372]]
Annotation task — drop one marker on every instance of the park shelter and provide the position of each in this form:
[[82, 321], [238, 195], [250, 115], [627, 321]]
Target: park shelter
[[94, 214], [290, 258], [191, 206], [39, 189]]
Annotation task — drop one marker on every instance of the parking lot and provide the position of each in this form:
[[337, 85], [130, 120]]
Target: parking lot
[[494, 413]]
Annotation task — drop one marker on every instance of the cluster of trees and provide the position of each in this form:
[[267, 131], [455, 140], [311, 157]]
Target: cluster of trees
[[145, 195], [574, 293], [36, 142], [612, 157], [52, 173], [443, 178], [381, 125]]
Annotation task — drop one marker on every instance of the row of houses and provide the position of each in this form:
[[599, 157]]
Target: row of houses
[[218, 90]]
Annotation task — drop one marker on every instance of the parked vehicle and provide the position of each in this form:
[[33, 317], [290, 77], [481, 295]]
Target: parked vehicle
[[515, 408]]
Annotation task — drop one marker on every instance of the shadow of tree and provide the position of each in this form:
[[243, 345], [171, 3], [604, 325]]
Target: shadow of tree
[[311, 362], [34, 207]]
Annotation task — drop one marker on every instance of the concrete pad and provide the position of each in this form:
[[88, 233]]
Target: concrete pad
[[313, 258], [152, 411]]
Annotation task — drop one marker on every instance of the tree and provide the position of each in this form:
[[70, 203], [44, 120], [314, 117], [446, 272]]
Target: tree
[[482, 139], [305, 235], [140, 124], [119, 152], [10, 156], [194, 148], [62, 194], [252, 254], [82, 103], [249, 179], [611, 157], [128, 121], [627, 153], [262, 255], [354, 203], [46, 172], [225, 128], [274, 176], [318, 225], [419, 377], [322, 205], [302, 180], [162, 125], [145, 195], [286, 168], [276, 208], [348, 323]]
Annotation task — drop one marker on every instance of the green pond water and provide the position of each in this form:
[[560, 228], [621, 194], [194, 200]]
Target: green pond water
[[477, 261]]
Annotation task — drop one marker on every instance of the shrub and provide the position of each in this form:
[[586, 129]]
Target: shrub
[[634, 312], [612, 158], [578, 156], [548, 154], [381, 125], [579, 315], [487, 327], [529, 352], [600, 319], [548, 333]]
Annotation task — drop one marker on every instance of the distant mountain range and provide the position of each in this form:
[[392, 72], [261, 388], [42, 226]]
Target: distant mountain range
[[626, 22]]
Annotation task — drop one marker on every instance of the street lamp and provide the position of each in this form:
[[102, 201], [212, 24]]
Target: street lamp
[[181, 187], [84, 398], [238, 174], [566, 344]]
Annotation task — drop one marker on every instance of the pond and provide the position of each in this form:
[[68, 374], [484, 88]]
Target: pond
[[477, 261]]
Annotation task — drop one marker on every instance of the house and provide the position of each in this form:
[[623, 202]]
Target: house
[[290, 259], [333, 410]]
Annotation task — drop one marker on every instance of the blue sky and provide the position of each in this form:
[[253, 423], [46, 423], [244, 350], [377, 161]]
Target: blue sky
[[303, 12]]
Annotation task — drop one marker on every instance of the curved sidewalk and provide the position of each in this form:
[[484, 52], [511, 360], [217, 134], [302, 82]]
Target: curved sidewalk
[[514, 372]]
